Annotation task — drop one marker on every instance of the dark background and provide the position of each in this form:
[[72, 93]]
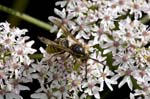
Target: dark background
[[41, 9]]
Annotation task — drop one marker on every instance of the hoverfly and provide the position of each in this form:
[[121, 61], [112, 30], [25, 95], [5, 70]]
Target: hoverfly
[[76, 49]]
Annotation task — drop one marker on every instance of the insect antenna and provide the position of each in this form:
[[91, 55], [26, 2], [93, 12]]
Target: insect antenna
[[96, 60]]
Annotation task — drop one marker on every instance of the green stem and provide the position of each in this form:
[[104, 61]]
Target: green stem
[[19, 5], [26, 17]]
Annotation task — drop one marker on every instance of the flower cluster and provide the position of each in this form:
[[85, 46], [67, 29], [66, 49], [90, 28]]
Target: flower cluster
[[116, 44], [14, 61], [115, 37]]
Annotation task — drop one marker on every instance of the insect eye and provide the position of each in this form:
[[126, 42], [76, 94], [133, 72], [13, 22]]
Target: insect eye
[[78, 49]]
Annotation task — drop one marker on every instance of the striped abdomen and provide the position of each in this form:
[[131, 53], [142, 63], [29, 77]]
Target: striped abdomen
[[52, 49]]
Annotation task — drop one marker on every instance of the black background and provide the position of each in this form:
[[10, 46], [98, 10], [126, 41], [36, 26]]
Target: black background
[[41, 9]]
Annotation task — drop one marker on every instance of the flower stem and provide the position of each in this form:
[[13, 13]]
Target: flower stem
[[25, 17], [19, 5]]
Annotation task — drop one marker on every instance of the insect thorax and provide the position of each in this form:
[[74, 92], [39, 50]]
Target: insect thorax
[[63, 42]]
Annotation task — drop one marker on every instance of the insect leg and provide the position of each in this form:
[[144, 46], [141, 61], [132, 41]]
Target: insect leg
[[86, 70]]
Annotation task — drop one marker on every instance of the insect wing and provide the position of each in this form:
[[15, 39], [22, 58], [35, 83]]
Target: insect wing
[[47, 41], [52, 43]]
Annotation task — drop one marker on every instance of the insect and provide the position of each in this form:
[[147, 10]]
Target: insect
[[76, 49]]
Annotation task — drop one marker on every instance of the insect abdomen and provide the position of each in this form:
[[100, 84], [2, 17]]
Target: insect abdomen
[[51, 49]]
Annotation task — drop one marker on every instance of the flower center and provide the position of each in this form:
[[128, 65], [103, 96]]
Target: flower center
[[148, 58], [100, 31], [107, 17], [103, 75], [142, 73], [116, 44], [62, 89], [15, 65], [90, 86], [113, 6], [20, 52], [65, 21], [81, 27], [55, 77], [145, 33], [128, 72], [7, 41], [121, 2], [49, 94], [77, 9], [74, 83], [128, 34], [125, 58], [136, 6]]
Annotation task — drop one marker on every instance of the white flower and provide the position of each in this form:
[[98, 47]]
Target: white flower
[[12, 96], [144, 92], [142, 58], [98, 33], [64, 20], [123, 59], [77, 8], [141, 75], [119, 6], [64, 3], [74, 82], [14, 59], [91, 88], [126, 72], [81, 28], [39, 96], [43, 72], [136, 8], [61, 92], [112, 45], [43, 93], [5, 27], [107, 18], [133, 31], [103, 76], [96, 58]]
